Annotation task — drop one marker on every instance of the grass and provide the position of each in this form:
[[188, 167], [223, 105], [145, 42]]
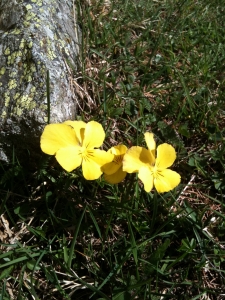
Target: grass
[[145, 66]]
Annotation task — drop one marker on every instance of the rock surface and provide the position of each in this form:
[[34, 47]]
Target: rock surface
[[36, 36]]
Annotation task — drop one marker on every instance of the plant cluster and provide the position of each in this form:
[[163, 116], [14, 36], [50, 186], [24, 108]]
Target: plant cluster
[[74, 143], [145, 67]]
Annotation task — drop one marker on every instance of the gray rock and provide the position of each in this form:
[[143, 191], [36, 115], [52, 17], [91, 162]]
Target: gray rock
[[36, 36]]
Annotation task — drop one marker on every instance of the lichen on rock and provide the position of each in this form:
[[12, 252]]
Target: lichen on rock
[[36, 36]]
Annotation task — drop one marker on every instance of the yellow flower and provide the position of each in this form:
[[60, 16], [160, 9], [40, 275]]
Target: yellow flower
[[113, 172], [153, 171], [73, 143]]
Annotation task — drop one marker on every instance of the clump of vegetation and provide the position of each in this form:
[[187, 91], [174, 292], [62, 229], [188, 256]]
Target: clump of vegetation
[[146, 66]]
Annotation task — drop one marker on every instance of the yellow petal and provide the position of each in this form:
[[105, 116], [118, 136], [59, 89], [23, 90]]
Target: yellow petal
[[118, 150], [111, 168], [166, 156], [79, 127], [69, 158], [146, 176], [56, 136], [116, 177], [91, 170], [101, 157], [166, 180], [116, 164], [94, 135], [135, 158], [149, 138], [93, 161]]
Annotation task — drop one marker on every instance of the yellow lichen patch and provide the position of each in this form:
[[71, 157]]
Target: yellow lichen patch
[[62, 42], [30, 44], [29, 78], [16, 54], [22, 101], [28, 7], [16, 31], [12, 84], [17, 111], [20, 67], [7, 51], [36, 19], [51, 54], [28, 71], [2, 71], [39, 3], [43, 71], [26, 24], [32, 104], [22, 44], [12, 74], [26, 76], [3, 114], [7, 98], [16, 96], [7, 102], [26, 102], [33, 68], [43, 107], [30, 16], [9, 60]]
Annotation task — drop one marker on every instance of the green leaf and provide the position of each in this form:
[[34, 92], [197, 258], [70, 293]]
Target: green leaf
[[159, 252], [122, 296], [31, 264], [5, 273], [116, 111], [183, 130]]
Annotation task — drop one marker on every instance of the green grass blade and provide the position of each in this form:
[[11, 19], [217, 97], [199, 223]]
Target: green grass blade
[[72, 247]]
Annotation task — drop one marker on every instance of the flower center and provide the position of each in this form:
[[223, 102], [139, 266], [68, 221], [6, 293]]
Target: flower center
[[156, 172], [118, 159], [84, 152]]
